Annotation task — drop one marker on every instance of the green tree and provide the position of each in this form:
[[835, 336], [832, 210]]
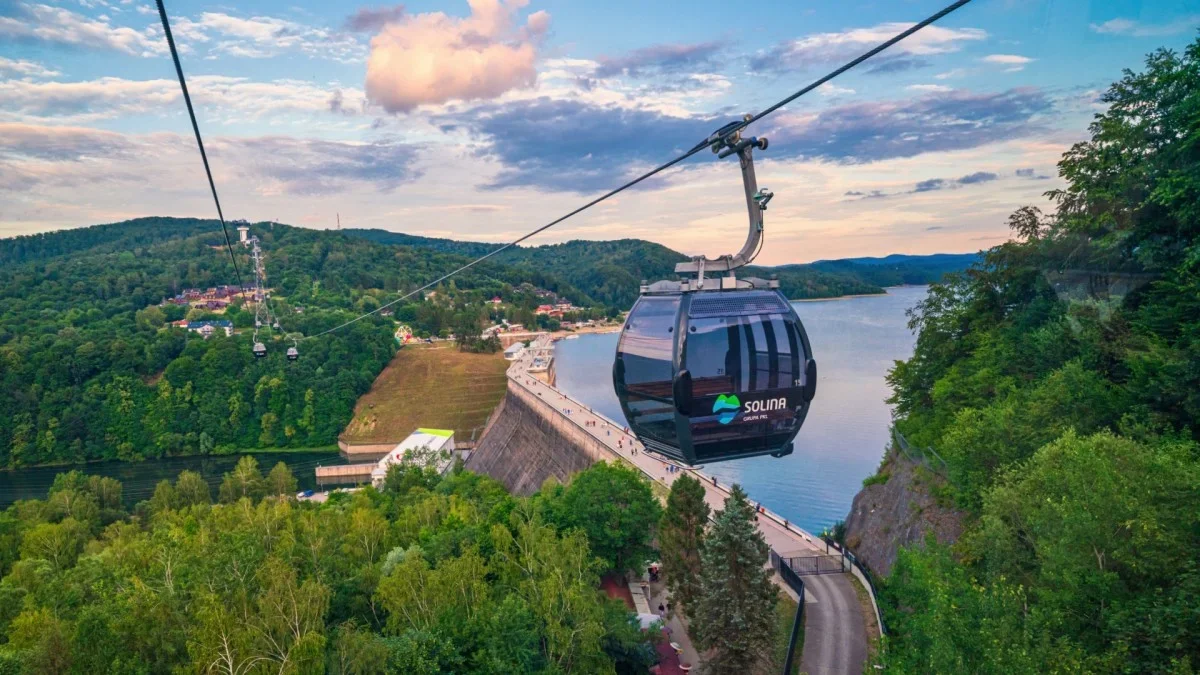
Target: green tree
[[192, 489], [165, 497], [57, 543], [280, 481], [614, 506], [681, 539], [244, 481], [734, 612]]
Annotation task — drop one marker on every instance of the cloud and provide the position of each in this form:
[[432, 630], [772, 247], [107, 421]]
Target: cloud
[[1013, 62], [61, 144], [215, 96], [829, 89], [664, 58], [578, 146], [22, 68], [574, 146], [870, 131], [33, 155], [823, 48], [43, 24], [932, 185], [945, 183], [1134, 28], [315, 167], [1031, 173], [928, 87], [434, 58], [895, 64], [371, 19], [259, 37], [977, 177]]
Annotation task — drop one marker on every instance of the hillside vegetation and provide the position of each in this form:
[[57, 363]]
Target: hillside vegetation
[[91, 369], [1060, 380], [609, 272]]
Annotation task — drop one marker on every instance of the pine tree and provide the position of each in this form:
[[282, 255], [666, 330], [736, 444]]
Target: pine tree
[[734, 612], [680, 538]]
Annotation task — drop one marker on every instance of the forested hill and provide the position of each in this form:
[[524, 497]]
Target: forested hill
[[91, 369], [1060, 381], [896, 269], [609, 271]]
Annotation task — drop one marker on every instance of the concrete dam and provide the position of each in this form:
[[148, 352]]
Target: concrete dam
[[528, 442]]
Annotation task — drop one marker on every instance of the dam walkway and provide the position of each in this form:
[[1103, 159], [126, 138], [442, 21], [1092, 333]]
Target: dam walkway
[[835, 633]]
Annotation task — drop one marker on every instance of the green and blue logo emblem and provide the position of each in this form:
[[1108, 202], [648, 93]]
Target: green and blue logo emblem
[[726, 408]]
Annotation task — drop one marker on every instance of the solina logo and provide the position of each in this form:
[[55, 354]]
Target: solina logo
[[726, 408]]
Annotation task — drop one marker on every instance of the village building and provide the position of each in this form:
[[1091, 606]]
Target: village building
[[426, 448], [208, 328]]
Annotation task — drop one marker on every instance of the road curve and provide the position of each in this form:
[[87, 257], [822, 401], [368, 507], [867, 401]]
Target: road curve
[[835, 639]]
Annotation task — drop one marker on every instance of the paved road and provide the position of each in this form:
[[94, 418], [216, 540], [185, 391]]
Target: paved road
[[835, 635]]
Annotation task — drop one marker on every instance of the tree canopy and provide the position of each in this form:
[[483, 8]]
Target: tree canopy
[[1059, 379], [430, 575]]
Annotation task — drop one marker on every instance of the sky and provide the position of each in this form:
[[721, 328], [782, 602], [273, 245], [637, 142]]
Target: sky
[[483, 119]]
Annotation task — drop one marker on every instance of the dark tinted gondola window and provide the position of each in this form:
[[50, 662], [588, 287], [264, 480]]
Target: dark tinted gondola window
[[712, 357], [646, 349], [756, 355], [785, 342], [648, 343]]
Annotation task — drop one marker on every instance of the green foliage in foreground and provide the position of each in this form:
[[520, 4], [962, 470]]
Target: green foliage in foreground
[[681, 538], [1060, 380], [611, 503], [430, 575], [732, 616]]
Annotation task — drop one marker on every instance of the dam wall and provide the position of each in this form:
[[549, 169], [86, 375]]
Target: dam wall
[[528, 441]]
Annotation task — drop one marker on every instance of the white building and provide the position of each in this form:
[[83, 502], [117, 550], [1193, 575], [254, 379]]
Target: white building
[[424, 447], [514, 351]]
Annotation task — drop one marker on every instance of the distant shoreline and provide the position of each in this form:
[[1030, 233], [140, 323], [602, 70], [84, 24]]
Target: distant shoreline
[[859, 295], [236, 453]]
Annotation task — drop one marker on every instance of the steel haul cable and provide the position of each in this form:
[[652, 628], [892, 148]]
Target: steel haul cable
[[716, 138], [162, 14]]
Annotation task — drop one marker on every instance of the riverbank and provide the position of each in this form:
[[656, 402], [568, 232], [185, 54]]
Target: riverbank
[[140, 478], [233, 453]]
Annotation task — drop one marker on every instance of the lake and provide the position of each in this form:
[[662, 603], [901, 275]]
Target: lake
[[139, 478], [855, 341]]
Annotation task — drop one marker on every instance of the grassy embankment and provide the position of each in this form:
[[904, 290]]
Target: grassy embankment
[[429, 386]]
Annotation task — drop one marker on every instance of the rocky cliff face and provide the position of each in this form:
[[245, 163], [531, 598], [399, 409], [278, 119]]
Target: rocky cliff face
[[898, 512]]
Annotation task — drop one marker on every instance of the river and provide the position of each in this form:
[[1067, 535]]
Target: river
[[855, 342], [139, 478]]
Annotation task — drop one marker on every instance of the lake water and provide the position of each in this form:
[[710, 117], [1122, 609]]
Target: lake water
[[855, 341], [139, 478]]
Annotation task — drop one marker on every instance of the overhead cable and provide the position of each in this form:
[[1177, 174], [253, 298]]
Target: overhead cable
[[716, 139], [162, 13], [725, 133]]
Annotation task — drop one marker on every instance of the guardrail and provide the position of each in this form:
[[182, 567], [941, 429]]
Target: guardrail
[[924, 456], [794, 582]]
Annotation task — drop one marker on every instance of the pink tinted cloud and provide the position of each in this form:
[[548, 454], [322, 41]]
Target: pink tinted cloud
[[434, 58]]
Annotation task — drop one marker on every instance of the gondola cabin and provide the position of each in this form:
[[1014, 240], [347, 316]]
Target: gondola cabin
[[707, 376], [260, 350]]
